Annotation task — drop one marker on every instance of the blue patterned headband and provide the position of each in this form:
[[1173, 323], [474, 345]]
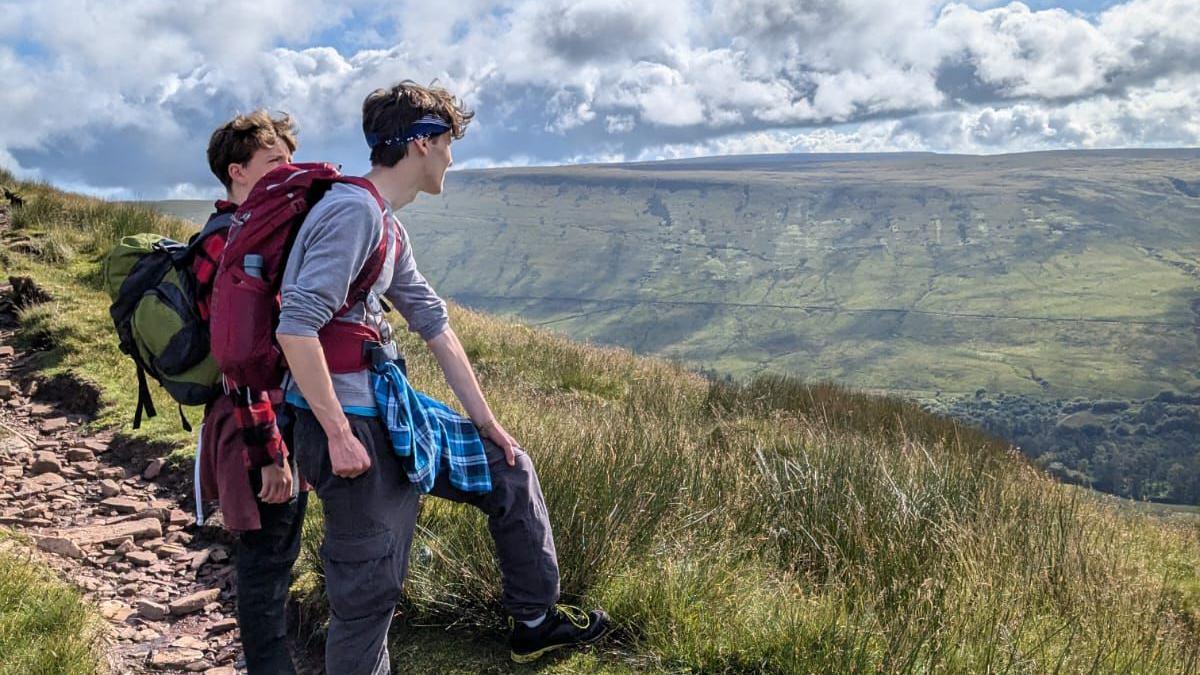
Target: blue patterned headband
[[429, 125]]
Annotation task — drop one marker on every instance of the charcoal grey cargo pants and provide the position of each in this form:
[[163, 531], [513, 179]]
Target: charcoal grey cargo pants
[[369, 522]]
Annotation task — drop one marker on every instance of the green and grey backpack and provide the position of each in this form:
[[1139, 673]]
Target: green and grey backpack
[[154, 309]]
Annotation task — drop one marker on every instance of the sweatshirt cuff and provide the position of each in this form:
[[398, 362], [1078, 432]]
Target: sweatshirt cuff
[[289, 326], [431, 331]]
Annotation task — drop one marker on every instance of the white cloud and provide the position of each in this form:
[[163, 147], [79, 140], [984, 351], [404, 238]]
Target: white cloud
[[619, 124], [192, 191], [560, 81]]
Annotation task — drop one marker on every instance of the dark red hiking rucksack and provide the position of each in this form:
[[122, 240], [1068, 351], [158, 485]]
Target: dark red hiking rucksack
[[245, 302]]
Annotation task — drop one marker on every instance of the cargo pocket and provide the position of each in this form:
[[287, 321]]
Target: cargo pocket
[[362, 576]]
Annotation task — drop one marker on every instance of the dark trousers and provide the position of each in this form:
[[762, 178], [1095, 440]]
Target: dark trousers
[[369, 523], [263, 559]]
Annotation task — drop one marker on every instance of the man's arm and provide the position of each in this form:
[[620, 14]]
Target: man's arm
[[456, 366], [426, 315], [331, 248], [306, 360]]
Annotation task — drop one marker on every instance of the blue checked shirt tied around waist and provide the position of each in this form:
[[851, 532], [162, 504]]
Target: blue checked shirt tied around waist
[[429, 434]]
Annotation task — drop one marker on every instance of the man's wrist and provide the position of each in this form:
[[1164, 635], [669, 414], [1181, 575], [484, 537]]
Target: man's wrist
[[487, 424], [338, 430]]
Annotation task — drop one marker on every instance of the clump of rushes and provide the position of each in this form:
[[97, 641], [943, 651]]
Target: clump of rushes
[[767, 526]]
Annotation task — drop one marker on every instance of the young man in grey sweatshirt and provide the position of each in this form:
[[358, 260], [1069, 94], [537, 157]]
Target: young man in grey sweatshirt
[[342, 445]]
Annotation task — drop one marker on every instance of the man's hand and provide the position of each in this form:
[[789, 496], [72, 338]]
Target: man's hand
[[276, 484], [347, 455], [460, 376], [502, 438]]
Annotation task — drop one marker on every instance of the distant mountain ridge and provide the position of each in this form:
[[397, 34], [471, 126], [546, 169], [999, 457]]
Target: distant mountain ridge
[[898, 271]]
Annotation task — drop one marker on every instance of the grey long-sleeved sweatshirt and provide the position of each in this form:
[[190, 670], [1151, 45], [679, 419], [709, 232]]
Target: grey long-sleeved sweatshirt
[[331, 248]]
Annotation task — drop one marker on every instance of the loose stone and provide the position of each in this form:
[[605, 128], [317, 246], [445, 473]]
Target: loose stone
[[53, 425], [154, 468], [123, 504], [175, 658], [143, 558], [46, 462], [44, 481], [195, 601], [152, 610], [109, 488], [222, 626], [60, 546], [143, 528]]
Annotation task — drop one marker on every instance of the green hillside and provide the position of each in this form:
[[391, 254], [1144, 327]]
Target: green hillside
[[770, 526], [711, 262], [1048, 280], [1061, 274]]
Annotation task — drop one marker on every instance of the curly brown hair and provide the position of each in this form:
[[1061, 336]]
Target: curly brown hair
[[236, 141], [387, 112]]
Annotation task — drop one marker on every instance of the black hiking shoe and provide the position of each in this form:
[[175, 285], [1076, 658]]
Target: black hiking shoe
[[564, 626]]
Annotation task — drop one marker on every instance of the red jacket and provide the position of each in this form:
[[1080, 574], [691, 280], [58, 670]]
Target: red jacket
[[226, 461], [235, 439], [225, 466]]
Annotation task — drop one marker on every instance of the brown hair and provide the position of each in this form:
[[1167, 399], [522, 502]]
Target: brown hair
[[388, 112], [236, 141]]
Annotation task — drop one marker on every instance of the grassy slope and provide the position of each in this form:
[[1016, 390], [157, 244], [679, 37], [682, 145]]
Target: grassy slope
[[46, 628], [774, 527]]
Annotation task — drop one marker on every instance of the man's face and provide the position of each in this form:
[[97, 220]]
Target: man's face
[[261, 162], [244, 176], [436, 162]]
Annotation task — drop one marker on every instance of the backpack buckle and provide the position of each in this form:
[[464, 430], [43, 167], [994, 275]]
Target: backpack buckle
[[379, 354]]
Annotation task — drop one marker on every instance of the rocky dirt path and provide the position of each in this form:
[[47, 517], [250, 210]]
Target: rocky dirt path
[[109, 520]]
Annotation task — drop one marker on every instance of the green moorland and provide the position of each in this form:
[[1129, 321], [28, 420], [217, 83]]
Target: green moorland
[[771, 526], [1049, 280], [708, 260]]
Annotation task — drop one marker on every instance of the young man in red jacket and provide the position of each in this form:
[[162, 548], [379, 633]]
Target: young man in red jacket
[[370, 444], [268, 517]]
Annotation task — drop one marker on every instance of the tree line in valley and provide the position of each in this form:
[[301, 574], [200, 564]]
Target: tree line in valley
[[1141, 449]]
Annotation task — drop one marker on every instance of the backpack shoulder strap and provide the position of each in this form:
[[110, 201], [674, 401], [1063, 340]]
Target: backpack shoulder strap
[[372, 268]]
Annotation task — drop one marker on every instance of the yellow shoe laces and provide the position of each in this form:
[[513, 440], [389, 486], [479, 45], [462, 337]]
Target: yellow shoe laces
[[578, 618], [575, 615]]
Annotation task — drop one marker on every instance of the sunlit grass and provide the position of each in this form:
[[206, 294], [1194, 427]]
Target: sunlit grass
[[46, 628]]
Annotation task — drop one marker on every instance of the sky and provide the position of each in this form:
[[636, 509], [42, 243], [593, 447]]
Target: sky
[[118, 99]]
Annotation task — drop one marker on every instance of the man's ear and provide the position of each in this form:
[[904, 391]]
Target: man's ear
[[237, 172], [422, 145]]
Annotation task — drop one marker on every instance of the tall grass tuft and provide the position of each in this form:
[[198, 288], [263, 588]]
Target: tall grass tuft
[[65, 227], [45, 626]]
